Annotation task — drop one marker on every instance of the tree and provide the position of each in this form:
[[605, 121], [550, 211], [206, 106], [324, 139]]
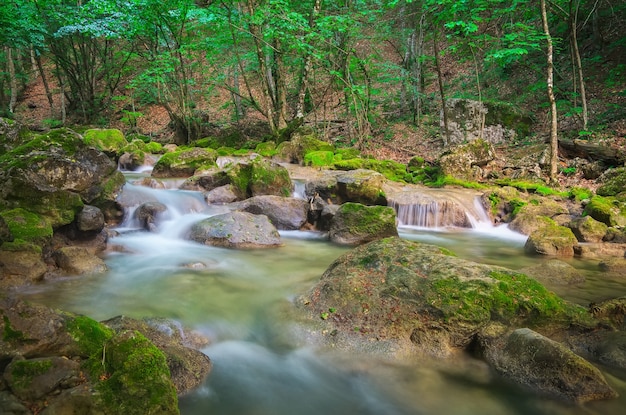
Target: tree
[[554, 141]]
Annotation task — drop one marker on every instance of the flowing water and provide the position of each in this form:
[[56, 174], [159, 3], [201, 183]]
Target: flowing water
[[237, 299]]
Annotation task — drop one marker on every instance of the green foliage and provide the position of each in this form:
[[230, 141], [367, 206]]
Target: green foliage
[[580, 193], [531, 187]]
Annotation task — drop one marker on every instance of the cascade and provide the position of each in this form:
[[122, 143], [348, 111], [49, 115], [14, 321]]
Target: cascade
[[437, 208]]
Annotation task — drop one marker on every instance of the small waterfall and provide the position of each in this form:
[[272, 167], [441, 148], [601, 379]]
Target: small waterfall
[[440, 209], [299, 189]]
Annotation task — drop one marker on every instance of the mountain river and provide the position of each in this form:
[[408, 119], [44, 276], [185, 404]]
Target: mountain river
[[235, 299]]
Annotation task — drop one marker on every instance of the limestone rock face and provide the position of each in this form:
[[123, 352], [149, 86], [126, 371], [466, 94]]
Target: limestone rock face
[[547, 367], [468, 120], [465, 161], [236, 230]]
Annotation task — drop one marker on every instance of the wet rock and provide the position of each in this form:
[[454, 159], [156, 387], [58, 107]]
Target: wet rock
[[356, 224], [188, 366], [285, 213], [236, 230], [221, 195], [21, 264], [551, 239], [183, 163], [131, 161], [33, 379], [546, 367], [259, 177], [207, 180], [392, 290], [90, 219], [587, 229], [77, 260], [147, 214], [150, 182], [554, 272], [361, 186], [614, 266]]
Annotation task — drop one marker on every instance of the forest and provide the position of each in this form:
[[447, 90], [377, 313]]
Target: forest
[[352, 69]]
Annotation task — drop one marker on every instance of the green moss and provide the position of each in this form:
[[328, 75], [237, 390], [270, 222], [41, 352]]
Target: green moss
[[516, 205], [20, 245], [580, 193], [90, 335], [513, 296], [319, 158], [153, 148], [614, 182], [28, 226], [266, 149], [9, 333], [366, 220], [107, 140], [225, 151], [25, 154], [136, 379], [532, 187], [607, 210], [347, 153], [24, 371]]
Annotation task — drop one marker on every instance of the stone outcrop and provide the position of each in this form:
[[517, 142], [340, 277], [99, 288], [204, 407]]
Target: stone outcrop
[[551, 239], [184, 163]]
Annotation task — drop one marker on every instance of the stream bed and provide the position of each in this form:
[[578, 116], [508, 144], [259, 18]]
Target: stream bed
[[237, 299]]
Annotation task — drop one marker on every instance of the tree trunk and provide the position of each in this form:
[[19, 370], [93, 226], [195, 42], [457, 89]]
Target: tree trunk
[[554, 141], [12, 78], [573, 14], [307, 65], [44, 79], [441, 90]]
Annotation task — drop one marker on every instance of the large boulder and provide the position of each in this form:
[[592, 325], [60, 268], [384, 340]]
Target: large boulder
[[70, 363], [613, 183], [496, 123], [259, 177], [358, 186], [184, 163], [236, 230], [554, 272], [393, 290], [525, 216], [547, 367], [285, 213], [607, 210], [587, 229], [188, 366], [110, 141], [356, 224], [301, 143], [551, 239], [54, 174]]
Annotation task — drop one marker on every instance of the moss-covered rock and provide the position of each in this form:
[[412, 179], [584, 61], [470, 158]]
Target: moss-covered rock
[[613, 183], [551, 239], [361, 186], [184, 162], [587, 229], [607, 210], [21, 263], [5, 231], [525, 213], [259, 177], [28, 226], [266, 148], [393, 289], [548, 367], [465, 161], [12, 134], [135, 378], [355, 224], [319, 158], [54, 174], [110, 141], [301, 143]]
